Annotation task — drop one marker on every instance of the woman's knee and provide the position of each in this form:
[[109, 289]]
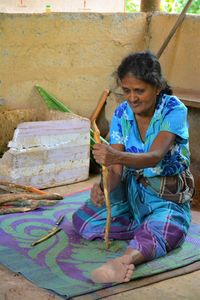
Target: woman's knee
[[174, 236], [85, 221], [148, 242], [156, 239], [77, 221]]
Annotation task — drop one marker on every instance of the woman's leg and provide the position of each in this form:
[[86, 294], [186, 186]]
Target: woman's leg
[[90, 220], [119, 269], [162, 230]]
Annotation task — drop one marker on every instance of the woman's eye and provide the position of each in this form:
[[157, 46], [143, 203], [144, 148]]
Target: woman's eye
[[126, 91], [139, 91]]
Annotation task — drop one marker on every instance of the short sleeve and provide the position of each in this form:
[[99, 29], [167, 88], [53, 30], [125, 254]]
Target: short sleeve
[[175, 119], [116, 135]]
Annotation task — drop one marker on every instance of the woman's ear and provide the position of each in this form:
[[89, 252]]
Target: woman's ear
[[158, 91]]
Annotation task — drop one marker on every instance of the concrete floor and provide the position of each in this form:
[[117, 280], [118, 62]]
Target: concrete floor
[[186, 287]]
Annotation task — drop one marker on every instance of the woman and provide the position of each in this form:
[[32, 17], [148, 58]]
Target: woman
[[150, 183]]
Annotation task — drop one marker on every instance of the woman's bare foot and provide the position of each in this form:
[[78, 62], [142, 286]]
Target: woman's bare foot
[[116, 270]]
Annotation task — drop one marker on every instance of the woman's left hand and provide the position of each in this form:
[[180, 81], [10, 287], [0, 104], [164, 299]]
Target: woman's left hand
[[104, 154]]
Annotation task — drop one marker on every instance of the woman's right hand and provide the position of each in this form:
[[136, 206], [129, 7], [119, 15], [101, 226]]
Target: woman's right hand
[[97, 196]]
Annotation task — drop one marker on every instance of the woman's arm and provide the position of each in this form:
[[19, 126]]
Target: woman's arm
[[114, 177], [115, 170], [115, 157]]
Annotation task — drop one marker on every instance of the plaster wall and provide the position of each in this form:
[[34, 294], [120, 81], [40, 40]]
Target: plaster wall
[[181, 58], [71, 55], [74, 55]]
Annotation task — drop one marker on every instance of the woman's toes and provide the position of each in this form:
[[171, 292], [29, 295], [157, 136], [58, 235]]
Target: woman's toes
[[131, 267], [128, 275]]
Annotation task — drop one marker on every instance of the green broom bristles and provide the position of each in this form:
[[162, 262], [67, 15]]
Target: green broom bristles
[[54, 104]]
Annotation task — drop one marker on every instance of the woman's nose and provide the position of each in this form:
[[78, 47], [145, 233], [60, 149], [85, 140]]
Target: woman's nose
[[132, 96]]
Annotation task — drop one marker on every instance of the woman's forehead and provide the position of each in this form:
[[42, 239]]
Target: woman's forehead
[[130, 80]]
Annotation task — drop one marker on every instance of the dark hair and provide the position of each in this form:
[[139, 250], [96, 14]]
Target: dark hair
[[146, 67]]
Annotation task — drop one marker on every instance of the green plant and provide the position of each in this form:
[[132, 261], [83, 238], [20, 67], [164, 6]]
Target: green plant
[[132, 5], [170, 6], [176, 6]]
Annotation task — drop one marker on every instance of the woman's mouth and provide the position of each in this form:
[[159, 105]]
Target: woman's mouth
[[135, 104]]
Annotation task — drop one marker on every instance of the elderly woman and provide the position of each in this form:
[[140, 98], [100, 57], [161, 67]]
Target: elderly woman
[[148, 159]]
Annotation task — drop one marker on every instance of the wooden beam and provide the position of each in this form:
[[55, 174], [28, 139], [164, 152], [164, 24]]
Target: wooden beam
[[189, 97], [174, 28]]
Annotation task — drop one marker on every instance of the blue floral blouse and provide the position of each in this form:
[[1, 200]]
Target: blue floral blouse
[[170, 115]]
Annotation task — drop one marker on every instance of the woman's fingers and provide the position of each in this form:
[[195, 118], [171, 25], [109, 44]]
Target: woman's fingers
[[105, 154], [102, 154]]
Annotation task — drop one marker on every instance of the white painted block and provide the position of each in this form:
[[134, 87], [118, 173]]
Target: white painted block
[[50, 133], [48, 153]]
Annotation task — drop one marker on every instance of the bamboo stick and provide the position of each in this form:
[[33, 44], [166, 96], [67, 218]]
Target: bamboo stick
[[105, 189], [9, 210], [53, 232], [5, 198], [23, 187], [29, 202]]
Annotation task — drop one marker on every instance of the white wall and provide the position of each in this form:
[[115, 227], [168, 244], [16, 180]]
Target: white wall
[[39, 6]]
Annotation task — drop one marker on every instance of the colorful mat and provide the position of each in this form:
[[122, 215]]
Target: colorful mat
[[63, 263]]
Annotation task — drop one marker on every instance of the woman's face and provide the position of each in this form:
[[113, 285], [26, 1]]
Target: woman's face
[[140, 95]]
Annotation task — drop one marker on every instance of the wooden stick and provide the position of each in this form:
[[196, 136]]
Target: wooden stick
[[5, 198], [105, 189], [23, 187], [173, 30], [53, 232], [29, 202], [100, 105], [9, 210]]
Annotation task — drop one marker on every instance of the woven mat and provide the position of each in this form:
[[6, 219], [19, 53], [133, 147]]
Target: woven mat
[[63, 263]]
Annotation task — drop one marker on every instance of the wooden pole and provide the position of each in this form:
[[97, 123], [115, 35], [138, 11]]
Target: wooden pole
[[100, 105], [149, 5], [173, 30], [124, 6], [105, 189]]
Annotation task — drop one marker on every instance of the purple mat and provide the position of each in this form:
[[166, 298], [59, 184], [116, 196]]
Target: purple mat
[[63, 263]]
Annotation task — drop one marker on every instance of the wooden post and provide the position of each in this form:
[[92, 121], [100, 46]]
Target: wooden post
[[149, 5]]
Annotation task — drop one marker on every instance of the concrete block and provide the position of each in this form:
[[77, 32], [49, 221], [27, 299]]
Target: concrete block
[[48, 153]]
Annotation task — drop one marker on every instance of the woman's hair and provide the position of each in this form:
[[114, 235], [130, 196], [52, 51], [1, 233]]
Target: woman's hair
[[146, 67]]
